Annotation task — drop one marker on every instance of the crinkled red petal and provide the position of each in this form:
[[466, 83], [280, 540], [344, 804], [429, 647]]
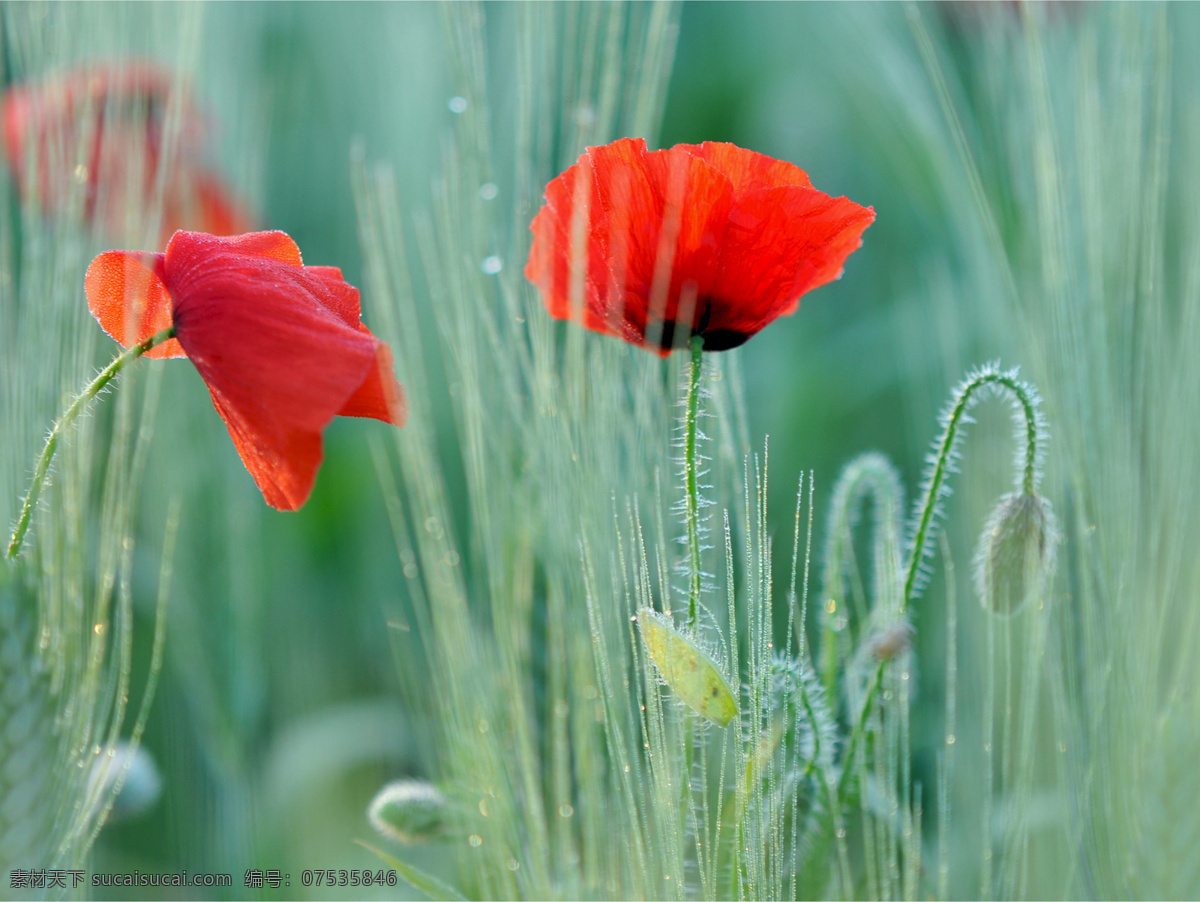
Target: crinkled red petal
[[284, 465], [684, 257], [568, 260], [746, 170], [196, 253], [628, 239], [279, 363], [380, 397], [778, 244], [274, 344], [189, 252], [129, 299], [336, 294]]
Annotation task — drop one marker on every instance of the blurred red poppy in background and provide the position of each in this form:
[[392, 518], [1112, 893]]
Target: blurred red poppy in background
[[708, 239], [280, 345], [103, 127]]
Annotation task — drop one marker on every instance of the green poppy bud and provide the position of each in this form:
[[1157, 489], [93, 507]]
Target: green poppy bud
[[408, 811], [1016, 552]]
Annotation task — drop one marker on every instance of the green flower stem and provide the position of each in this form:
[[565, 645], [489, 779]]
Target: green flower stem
[[928, 507], [106, 376], [933, 490], [860, 727], [693, 538], [689, 468]]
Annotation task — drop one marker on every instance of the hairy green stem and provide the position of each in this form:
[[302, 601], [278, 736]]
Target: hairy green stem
[[693, 537], [933, 490], [42, 468], [860, 727], [689, 468], [928, 508]]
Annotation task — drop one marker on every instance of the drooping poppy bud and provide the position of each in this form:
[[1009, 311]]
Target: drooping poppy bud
[[708, 239], [1016, 554], [279, 345], [408, 811]]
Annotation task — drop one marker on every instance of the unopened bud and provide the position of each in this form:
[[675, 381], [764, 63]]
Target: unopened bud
[[408, 811], [687, 669], [1016, 552]]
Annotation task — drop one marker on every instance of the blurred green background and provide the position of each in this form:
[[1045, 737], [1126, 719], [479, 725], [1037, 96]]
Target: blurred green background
[[279, 712]]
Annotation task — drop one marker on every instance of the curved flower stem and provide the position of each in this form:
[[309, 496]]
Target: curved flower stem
[[945, 452], [42, 468], [929, 504], [689, 469]]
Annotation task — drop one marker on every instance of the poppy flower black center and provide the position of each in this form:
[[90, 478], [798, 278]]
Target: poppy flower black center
[[714, 339], [723, 339]]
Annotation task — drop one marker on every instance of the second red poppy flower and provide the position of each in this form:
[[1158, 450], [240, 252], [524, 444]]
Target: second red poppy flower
[[708, 239]]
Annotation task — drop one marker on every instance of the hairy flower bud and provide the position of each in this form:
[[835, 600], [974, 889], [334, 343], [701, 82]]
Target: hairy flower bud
[[408, 811], [1016, 552]]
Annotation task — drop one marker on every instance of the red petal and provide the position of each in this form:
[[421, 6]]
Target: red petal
[[696, 202], [16, 130], [129, 300], [380, 397], [277, 361], [648, 244], [274, 344], [283, 466], [281, 349], [188, 249], [746, 170], [780, 243], [336, 294], [569, 257], [192, 254]]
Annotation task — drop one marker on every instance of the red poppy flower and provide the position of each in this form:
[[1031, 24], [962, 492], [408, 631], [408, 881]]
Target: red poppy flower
[[120, 111], [708, 239], [279, 344]]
